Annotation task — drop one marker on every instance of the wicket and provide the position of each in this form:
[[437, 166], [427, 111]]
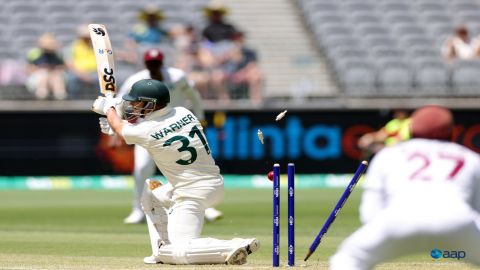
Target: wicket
[[276, 215], [360, 170]]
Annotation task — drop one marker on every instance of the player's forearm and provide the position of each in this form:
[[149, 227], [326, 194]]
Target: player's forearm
[[115, 122]]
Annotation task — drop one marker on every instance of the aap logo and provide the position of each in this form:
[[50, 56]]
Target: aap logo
[[436, 253], [447, 254]]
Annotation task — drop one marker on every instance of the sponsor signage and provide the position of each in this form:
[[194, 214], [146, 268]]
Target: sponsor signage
[[318, 142]]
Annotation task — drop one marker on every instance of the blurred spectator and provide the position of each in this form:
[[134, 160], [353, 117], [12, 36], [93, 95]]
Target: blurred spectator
[[232, 67], [184, 38], [202, 68], [146, 34], [197, 54], [396, 130], [82, 67], [217, 29], [185, 41], [199, 63], [458, 46], [149, 30], [242, 73], [12, 72], [46, 69]]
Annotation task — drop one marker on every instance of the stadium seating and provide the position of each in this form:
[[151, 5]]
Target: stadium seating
[[394, 76], [23, 21], [431, 76], [358, 77], [465, 77], [369, 33], [394, 46]]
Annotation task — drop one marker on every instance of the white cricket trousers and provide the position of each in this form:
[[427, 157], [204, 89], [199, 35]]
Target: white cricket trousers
[[185, 223], [407, 228], [186, 216]]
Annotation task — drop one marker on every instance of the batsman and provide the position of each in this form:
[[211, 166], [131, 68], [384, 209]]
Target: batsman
[[183, 92], [175, 140]]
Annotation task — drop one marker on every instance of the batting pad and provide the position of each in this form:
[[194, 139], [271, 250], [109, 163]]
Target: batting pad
[[198, 251], [157, 223]]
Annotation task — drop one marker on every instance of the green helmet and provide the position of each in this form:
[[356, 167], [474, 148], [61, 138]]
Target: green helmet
[[143, 98], [148, 90]]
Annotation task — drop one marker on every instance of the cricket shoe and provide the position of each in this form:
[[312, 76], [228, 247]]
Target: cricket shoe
[[250, 244], [212, 214], [136, 217], [150, 260], [237, 256]]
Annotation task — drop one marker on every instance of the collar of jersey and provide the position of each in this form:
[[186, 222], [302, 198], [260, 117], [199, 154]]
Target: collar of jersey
[[158, 113]]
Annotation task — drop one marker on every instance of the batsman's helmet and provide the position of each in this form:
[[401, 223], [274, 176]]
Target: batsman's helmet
[[150, 93], [148, 90]]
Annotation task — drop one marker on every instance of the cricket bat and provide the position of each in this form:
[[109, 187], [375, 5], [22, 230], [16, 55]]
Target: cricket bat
[[104, 56]]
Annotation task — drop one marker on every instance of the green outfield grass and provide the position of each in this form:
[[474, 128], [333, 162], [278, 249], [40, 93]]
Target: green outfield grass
[[84, 230]]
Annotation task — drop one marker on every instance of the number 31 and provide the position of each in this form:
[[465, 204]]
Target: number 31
[[185, 145]]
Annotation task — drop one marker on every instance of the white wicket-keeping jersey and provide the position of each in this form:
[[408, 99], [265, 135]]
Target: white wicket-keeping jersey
[[174, 139], [181, 90], [423, 171]]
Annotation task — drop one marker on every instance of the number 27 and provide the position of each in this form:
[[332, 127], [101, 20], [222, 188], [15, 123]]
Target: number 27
[[420, 174]]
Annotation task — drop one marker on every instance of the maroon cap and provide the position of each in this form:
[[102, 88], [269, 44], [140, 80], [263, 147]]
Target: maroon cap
[[153, 55], [432, 122]]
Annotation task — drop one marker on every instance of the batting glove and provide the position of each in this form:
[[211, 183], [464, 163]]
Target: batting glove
[[204, 123], [146, 200], [156, 195], [105, 127], [102, 104]]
